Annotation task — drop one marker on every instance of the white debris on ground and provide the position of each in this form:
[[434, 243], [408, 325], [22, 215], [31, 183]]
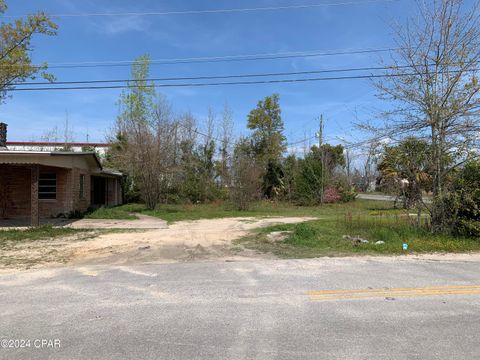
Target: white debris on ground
[[278, 236]]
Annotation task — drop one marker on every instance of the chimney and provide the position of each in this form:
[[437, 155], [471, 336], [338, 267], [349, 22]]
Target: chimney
[[3, 136]]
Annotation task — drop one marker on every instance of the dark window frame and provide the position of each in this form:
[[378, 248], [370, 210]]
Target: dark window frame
[[47, 186]]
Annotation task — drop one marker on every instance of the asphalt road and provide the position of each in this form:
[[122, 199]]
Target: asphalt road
[[379, 197], [284, 309], [376, 197]]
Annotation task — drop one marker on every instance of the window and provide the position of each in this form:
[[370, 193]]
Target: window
[[47, 187], [82, 186]]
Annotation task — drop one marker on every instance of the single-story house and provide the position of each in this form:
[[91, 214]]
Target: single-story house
[[38, 184]]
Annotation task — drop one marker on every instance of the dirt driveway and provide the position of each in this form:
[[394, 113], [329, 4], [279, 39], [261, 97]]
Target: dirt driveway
[[142, 222], [152, 241]]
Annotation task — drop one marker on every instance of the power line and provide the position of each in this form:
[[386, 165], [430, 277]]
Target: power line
[[194, 84], [201, 133], [231, 142], [213, 59], [301, 141], [216, 77], [232, 58], [256, 82], [212, 11]]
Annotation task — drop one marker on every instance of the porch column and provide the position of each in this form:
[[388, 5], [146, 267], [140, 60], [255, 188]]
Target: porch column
[[34, 212], [115, 199]]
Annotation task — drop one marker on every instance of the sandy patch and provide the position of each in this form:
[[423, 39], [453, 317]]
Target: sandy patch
[[181, 241], [142, 222], [28, 254]]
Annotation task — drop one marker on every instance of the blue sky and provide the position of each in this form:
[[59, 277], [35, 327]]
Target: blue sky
[[30, 114]]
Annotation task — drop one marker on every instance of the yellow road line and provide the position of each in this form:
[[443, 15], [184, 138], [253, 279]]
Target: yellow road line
[[401, 294], [446, 287]]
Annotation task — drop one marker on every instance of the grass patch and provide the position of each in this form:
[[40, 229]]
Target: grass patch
[[123, 212], [369, 219], [32, 234], [172, 213], [325, 237], [180, 212]]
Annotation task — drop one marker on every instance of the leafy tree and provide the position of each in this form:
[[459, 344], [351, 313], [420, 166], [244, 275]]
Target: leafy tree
[[411, 161], [198, 172], [273, 179], [290, 169], [267, 125], [463, 201], [334, 157], [16, 47], [433, 90], [268, 142], [206, 161], [310, 181], [113, 158]]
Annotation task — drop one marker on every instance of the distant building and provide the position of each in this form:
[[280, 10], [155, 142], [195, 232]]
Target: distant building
[[99, 148]]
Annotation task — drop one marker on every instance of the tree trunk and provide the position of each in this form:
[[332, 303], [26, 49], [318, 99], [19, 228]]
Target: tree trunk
[[438, 213]]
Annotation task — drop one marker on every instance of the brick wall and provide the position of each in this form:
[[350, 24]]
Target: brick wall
[[3, 135], [80, 203], [15, 191], [62, 204]]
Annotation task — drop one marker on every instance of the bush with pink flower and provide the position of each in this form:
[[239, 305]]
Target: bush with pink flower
[[331, 195]]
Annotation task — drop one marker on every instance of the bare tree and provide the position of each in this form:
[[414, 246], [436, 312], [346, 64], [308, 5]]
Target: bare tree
[[145, 135], [165, 128], [48, 137], [246, 176], [433, 84], [67, 134], [52, 136], [349, 159], [226, 129], [211, 119], [367, 165]]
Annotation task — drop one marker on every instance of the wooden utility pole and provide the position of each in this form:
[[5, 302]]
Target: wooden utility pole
[[320, 147]]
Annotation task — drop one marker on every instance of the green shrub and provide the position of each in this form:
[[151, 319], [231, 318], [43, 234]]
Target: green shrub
[[347, 192], [468, 227], [462, 204]]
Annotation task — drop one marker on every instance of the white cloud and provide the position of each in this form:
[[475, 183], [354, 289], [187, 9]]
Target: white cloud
[[122, 24]]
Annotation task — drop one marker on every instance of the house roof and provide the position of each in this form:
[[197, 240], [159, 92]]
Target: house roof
[[32, 157], [112, 172], [48, 158], [83, 154]]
